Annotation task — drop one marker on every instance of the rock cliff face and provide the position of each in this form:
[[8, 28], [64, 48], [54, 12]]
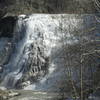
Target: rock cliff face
[[17, 7]]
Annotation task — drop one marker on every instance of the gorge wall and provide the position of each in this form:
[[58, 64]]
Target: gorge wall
[[17, 7]]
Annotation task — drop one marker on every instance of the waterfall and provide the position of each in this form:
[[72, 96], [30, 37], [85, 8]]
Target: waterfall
[[36, 39]]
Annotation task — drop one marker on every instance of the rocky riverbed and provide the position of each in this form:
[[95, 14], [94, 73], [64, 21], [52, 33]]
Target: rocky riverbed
[[30, 95], [38, 95]]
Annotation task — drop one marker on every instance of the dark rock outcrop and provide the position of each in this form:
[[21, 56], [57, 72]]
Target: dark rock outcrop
[[7, 26]]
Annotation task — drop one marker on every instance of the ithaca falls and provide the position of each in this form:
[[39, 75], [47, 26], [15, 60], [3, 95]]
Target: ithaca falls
[[44, 52]]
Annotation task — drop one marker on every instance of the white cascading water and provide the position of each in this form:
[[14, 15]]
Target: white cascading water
[[47, 31]]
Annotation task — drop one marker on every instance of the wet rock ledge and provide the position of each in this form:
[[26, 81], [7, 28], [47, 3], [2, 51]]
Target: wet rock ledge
[[7, 94]]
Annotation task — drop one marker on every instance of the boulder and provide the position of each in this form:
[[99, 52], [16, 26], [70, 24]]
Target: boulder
[[12, 94]]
